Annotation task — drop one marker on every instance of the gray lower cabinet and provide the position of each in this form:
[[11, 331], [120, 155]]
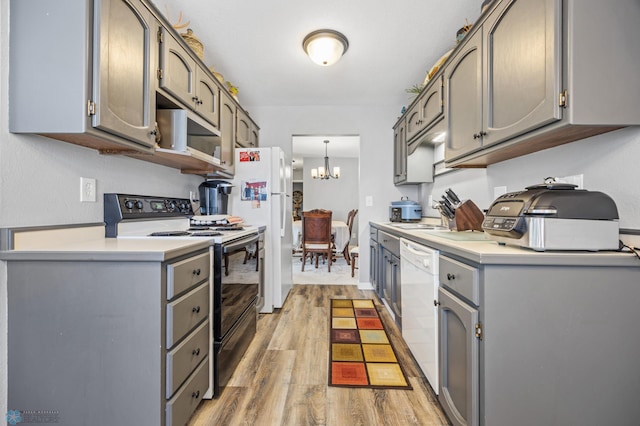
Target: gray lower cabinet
[[534, 345], [107, 343], [374, 261], [389, 247], [89, 92], [528, 77]]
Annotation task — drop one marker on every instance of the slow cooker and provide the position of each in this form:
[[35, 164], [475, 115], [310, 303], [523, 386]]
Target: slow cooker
[[405, 211]]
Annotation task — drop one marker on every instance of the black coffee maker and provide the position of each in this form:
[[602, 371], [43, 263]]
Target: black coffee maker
[[214, 196]]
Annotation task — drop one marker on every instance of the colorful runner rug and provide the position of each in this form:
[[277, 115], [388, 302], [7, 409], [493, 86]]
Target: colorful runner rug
[[361, 354]]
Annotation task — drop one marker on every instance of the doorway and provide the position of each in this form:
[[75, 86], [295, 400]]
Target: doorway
[[340, 195]]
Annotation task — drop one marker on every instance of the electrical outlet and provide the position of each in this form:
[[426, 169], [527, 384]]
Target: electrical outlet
[[573, 179], [368, 200], [87, 190]]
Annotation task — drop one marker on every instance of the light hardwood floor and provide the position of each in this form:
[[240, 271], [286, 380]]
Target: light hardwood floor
[[282, 379]]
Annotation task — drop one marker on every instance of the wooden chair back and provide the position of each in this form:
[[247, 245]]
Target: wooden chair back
[[316, 227]]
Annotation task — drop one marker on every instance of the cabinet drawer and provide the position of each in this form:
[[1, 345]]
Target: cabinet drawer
[[186, 312], [185, 402], [373, 234], [390, 242], [185, 274], [186, 356], [460, 278]]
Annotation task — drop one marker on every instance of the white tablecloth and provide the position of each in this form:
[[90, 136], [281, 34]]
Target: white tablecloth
[[339, 229]]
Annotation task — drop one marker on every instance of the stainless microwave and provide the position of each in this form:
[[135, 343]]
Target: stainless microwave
[[180, 129]]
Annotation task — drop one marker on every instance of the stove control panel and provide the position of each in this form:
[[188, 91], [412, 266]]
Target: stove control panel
[[119, 207]]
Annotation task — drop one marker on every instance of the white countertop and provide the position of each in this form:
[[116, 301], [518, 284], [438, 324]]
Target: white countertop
[[89, 243], [490, 252]]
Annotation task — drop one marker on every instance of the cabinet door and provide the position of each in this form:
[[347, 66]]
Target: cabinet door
[[399, 153], [123, 78], [177, 69], [255, 136], [413, 121], [373, 266], [243, 129], [432, 104], [207, 97], [522, 67], [397, 291], [227, 131], [463, 94], [459, 360]]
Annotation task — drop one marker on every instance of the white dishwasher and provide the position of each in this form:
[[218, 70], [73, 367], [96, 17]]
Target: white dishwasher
[[419, 289]]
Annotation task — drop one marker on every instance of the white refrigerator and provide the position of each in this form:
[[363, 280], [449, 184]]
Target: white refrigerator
[[262, 196]]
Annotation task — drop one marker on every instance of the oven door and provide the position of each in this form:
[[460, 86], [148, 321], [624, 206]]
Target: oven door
[[236, 282]]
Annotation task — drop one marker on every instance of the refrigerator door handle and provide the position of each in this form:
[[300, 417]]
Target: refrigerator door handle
[[283, 188]]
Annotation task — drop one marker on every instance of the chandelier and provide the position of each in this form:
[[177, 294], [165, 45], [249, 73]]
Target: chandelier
[[325, 172]]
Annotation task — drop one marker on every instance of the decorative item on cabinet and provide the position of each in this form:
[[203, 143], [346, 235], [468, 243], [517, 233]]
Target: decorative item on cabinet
[[194, 43], [216, 74], [463, 31], [232, 89]]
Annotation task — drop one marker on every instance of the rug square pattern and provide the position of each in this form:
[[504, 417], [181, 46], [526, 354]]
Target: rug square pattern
[[343, 312], [366, 303], [349, 373], [386, 375], [373, 336], [346, 352], [366, 312], [341, 303], [361, 353], [378, 353], [349, 323], [370, 323], [345, 336]]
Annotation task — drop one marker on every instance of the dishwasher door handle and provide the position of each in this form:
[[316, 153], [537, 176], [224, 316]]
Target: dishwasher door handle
[[418, 251]]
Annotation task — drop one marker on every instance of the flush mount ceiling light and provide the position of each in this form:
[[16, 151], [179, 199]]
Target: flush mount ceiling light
[[325, 172], [325, 47]]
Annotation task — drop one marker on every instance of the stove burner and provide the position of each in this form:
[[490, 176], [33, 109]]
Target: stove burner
[[230, 228], [169, 234]]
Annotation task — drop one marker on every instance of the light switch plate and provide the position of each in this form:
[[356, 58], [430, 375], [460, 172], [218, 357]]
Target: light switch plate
[[368, 201]]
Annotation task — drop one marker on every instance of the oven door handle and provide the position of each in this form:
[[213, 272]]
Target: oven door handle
[[235, 245]]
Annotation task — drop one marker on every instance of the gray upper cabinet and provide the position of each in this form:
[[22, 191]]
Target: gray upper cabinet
[[521, 90], [463, 81], [426, 110], [183, 78], [89, 93], [528, 77], [399, 153], [243, 129], [227, 131]]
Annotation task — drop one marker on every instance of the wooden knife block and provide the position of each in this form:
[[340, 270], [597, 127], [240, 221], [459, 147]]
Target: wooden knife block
[[468, 217]]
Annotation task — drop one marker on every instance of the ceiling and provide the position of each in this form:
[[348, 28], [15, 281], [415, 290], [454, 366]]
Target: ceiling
[[257, 46]]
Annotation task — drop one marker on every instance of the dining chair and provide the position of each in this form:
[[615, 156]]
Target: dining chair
[[316, 235], [351, 216]]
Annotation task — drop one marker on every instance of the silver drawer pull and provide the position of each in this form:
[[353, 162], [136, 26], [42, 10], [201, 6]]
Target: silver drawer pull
[[196, 352], [197, 271], [436, 303], [451, 277], [196, 309], [196, 394]]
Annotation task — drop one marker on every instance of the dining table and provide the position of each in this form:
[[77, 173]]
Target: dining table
[[339, 230]]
